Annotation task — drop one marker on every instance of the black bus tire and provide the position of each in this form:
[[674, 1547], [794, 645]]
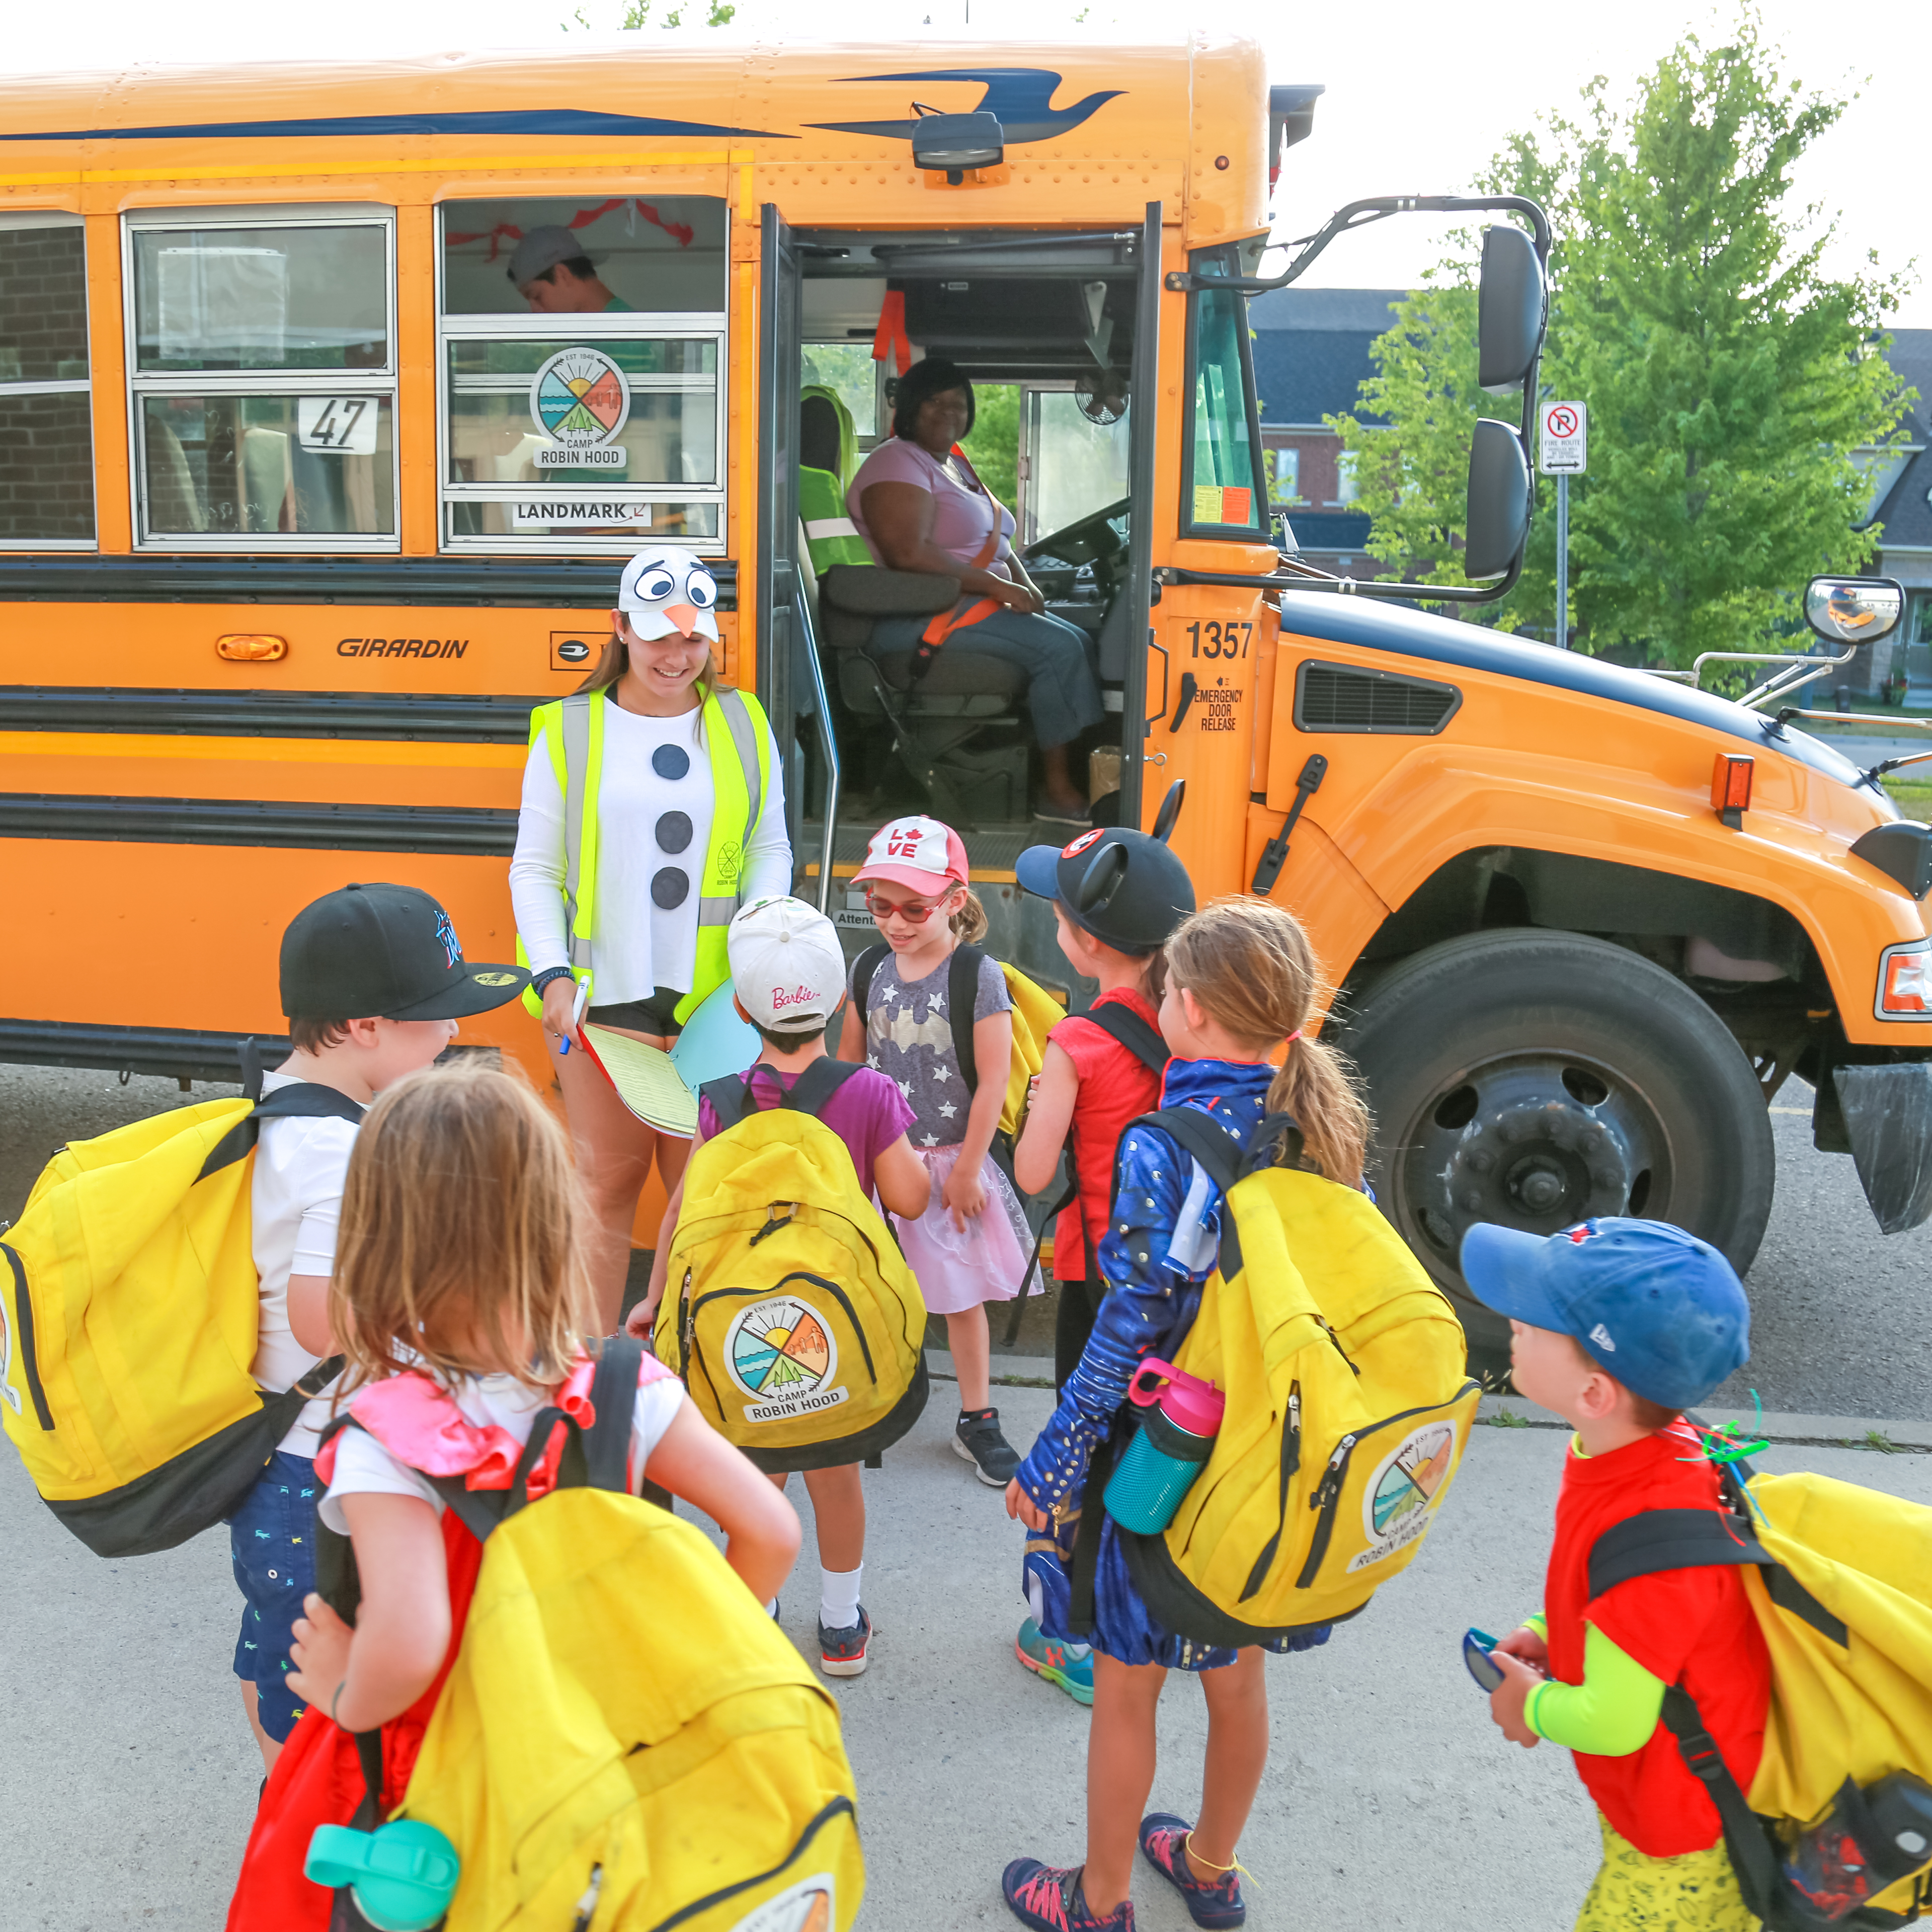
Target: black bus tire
[[1540, 1078]]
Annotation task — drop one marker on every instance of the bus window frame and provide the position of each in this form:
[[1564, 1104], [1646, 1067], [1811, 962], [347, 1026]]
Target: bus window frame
[[712, 326], [1223, 259], [14, 219], [381, 383]]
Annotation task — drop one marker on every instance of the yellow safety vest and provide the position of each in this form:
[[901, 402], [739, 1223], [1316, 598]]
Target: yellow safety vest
[[739, 741]]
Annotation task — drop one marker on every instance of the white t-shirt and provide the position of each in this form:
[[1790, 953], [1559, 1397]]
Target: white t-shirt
[[654, 810], [363, 1467], [295, 1197]]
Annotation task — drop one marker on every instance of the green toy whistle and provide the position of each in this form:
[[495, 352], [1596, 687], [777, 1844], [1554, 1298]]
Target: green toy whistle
[[402, 1874]]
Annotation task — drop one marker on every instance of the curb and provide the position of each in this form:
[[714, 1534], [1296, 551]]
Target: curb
[[1878, 1436]]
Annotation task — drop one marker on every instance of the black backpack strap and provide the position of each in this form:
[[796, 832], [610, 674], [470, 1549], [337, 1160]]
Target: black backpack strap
[[613, 1394], [813, 1088], [729, 1097], [249, 1055], [867, 963], [303, 1100], [1654, 1540], [1125, 1028], [1745, 1838], [1223, 1157], [962, 995]]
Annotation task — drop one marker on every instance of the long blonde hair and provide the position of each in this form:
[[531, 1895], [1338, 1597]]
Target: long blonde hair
[[1249, 963], [461, 1247]]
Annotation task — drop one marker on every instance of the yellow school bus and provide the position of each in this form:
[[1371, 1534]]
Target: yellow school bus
[[290, 542]]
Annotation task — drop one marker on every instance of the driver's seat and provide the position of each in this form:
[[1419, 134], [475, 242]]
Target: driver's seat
[[941, 727]]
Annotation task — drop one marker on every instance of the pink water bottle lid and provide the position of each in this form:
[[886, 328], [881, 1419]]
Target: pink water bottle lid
[[1186, 1400]]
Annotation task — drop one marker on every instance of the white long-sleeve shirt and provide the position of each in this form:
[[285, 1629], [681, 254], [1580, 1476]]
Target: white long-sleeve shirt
[[654, 813]]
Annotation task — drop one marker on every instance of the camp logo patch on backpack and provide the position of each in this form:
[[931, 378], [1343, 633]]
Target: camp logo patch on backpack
[[789, 1311], [783, 1356], [1399, 1497], [810, 1906]]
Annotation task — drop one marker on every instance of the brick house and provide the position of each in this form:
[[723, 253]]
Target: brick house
[[1311, 348]]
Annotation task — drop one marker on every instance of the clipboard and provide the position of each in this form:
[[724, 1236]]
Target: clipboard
[[660, 1087]]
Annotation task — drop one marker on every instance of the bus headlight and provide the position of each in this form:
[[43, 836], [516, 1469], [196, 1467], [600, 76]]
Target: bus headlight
[[1905, 981]]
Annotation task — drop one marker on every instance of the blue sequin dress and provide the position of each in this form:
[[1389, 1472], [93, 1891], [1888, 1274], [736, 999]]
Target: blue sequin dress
[[1159, 1249]]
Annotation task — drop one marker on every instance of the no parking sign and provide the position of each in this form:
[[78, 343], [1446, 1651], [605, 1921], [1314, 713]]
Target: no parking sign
[[1566, 431]]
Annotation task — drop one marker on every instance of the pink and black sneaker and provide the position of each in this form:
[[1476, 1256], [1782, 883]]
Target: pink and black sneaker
[[1049, 1898], [1162, 1838]]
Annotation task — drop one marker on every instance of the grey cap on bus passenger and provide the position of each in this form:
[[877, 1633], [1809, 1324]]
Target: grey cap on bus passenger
[[544, 248]]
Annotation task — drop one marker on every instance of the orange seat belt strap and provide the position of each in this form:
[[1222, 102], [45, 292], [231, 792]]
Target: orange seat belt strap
[[890, 337], [962, 613]]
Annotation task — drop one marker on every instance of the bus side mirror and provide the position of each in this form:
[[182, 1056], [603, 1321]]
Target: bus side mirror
[[1497, 520], [1511, 305], [1854, 610]]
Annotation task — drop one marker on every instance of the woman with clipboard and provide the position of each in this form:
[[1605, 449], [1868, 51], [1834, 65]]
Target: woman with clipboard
[[652, 808]]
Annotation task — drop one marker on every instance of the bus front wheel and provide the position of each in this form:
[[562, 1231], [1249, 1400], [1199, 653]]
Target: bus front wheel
[[1539, 1078]]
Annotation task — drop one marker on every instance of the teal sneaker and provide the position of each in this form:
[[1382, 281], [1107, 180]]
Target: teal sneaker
[[1070, 1666]]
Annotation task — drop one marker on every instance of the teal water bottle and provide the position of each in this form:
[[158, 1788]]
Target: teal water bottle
[[1180, 1416], [402, 1875]]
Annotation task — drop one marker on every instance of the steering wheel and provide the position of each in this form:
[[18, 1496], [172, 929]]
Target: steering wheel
[[1092, 539]]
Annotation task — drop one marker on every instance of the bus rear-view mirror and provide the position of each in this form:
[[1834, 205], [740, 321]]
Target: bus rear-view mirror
[[1854, 610], [1510, 304], [1499, 506]]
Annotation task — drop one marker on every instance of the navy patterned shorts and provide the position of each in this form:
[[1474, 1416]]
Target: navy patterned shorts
[[271, 1538]]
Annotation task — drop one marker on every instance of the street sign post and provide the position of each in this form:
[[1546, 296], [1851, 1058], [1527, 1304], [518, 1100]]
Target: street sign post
[[1564, 453]]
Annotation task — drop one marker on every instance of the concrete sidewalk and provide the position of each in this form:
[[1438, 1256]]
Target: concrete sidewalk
[[1390, 1801]]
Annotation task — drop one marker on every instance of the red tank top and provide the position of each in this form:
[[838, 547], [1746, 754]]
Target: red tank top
[[1116, 1086]]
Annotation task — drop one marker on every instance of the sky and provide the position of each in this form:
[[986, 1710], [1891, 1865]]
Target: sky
[[1419, 97]]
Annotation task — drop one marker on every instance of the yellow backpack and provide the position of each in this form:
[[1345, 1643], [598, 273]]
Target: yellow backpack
[[1036, 1013], [626, 1738], [1348, 1408], [1839, 1580], [788, 1309], [129, 1309]]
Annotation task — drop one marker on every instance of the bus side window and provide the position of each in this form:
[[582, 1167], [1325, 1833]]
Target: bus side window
[[46, 431], [583, 353], [263, 363]]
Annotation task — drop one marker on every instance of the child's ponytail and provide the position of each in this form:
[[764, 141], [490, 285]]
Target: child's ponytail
[[969, 923], [1249, 963], [1319, 1088]]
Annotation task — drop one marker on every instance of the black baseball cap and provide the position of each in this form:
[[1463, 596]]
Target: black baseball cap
[[1124, 887], [388, 951]]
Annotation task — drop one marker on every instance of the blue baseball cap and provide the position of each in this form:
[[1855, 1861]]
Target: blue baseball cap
[[1659, 1310]]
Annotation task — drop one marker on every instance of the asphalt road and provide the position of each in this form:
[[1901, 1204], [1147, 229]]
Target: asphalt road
[[1839, 1312]]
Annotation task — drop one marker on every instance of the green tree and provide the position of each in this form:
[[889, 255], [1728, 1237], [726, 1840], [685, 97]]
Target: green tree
[[993, 448], [637, 13], [1728, 379]]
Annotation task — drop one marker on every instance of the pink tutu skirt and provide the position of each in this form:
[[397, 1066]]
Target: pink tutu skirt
[[959, 1269]]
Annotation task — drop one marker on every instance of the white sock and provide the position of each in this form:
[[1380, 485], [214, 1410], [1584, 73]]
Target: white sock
[[839, 1597], [1078, 1650]]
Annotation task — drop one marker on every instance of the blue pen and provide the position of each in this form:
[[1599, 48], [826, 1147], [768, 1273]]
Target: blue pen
[[576, 1015]]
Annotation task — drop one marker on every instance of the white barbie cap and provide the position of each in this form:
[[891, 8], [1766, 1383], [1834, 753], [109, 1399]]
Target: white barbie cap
[[786, 966]]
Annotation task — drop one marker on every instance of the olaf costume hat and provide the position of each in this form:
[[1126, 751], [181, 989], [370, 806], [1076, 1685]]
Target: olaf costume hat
[[659, 581]]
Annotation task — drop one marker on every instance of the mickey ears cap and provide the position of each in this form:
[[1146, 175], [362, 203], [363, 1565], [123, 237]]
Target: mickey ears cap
[[387, 951], [1125, 888]]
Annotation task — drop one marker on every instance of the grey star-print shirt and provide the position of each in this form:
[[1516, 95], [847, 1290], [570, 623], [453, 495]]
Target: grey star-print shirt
[[909, 1039]]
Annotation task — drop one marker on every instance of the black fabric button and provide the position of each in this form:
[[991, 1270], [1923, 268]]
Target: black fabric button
[[670, 761], [670, 888], [673, 831]]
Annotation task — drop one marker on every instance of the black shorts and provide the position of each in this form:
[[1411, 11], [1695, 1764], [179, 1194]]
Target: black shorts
[[655, 1016]]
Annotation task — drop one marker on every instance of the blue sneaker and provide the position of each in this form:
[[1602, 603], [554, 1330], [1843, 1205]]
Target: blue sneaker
[[1048, 1657], [1163, 1841], [1048, 1898]]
